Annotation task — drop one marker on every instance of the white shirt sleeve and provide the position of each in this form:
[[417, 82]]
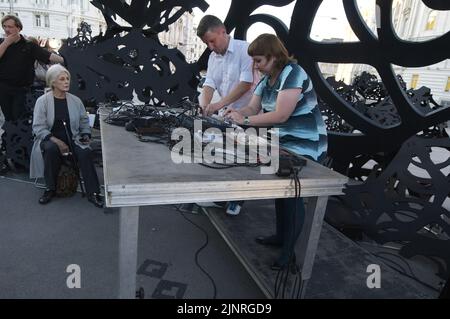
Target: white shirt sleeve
[[209, 81], [246, 71]]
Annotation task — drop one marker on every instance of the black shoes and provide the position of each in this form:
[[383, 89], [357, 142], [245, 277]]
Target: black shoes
[[96, 199], [46, 197], [3, 168], [268, 241], [284, 262]]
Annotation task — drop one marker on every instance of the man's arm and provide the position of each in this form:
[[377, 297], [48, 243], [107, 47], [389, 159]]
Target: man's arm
[[233, 96], [54, 58], [206, 96], [235, 93]]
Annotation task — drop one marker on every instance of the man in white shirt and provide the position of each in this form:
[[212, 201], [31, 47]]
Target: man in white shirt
[[229, 67], [230, 73]]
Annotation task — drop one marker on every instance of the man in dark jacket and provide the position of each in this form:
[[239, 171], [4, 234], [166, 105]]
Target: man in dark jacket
[[17, 58]]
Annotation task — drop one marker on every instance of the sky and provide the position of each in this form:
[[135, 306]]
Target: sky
[[330, 21]]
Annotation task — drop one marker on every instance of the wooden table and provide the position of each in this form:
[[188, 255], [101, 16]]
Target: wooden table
[[139, 174]]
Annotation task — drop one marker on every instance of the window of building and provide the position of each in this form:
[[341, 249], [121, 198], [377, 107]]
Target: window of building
[[37, 20], [431, 21], [447, 87], [47, 21], [414, 80]]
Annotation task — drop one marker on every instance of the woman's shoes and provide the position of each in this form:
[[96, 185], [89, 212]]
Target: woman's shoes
[[268, 240], [96, 200], [46, 197], [277, 266], [284, 262]]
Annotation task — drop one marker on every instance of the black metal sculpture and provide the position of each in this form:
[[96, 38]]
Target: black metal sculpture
[[118, 66], [18, 136]]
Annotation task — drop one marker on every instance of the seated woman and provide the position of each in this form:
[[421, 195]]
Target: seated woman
[[52, 141], [289, 103]]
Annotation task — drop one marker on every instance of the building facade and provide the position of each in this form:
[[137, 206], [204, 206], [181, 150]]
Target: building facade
[[413, 21], [54, 19], [183, 35]]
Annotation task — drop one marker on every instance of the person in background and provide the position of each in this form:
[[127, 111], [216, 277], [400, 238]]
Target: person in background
[[288, 101], [40, 68], [17, 57], [229, 73], [52, 141]]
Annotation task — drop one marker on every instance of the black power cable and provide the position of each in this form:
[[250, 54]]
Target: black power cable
[[281, 281], [199, 250]]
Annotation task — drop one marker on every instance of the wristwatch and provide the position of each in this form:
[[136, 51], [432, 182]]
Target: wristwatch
[[246, 120]]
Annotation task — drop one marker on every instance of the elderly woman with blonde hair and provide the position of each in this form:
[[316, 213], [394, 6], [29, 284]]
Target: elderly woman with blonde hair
[[60, 124]]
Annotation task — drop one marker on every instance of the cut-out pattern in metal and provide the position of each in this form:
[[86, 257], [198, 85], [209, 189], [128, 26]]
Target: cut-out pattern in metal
[[120, 66], [114, 69], [368, 96], [18, 136], [83, 37], [406, 202], [18, 139]]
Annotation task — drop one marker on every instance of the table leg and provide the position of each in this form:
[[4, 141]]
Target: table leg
[[309, 238], [128, 248]]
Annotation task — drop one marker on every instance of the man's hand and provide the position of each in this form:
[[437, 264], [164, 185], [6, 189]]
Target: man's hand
[[212, 108], [85, 140], [12, 38]]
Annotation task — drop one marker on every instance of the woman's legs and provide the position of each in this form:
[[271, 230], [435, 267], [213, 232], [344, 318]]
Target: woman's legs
[[277, 239], [291, 217], [52, 163], [87, 168]]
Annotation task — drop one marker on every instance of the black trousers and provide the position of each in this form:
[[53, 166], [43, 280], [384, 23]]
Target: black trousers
[[12, 101], [53, 161], [290, 216]]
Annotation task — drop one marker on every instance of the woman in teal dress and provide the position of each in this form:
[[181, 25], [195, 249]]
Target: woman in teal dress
[[288, 102]]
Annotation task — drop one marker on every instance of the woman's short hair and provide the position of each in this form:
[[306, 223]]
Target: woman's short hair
[[269, 45], [53, 73], [16, 20]]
